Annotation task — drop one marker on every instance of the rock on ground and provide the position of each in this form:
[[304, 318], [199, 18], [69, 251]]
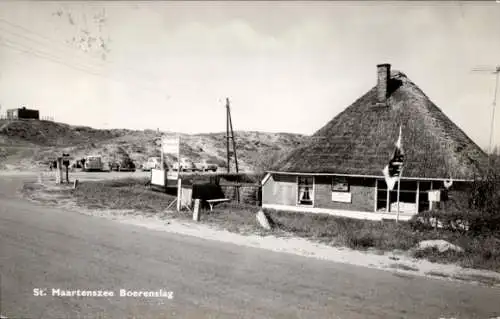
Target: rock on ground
[[262, 219], [440, 245]]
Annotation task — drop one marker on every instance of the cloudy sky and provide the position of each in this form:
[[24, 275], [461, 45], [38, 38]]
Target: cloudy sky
[[286, 66]]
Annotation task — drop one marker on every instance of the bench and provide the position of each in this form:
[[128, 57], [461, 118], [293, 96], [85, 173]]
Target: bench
[[212, 202]]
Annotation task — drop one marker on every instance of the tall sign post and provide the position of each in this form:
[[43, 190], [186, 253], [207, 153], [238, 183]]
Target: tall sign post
[[172, 145], [59, 171], [65, 162]]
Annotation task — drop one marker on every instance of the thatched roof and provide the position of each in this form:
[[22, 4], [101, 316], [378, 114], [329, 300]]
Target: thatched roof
[[361, 139]]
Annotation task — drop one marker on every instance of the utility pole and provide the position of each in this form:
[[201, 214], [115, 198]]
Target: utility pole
[[496, 71], [230, 135]]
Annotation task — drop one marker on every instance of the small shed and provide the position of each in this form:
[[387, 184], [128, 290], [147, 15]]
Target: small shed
[[23, 113]]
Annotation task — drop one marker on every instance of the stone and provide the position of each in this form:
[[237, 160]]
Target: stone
[[440, 245], [263, 221]]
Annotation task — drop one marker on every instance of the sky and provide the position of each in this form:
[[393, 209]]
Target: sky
[[285, 66]]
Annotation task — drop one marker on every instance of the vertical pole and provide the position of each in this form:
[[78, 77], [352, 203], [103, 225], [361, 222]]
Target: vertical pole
[[59, 170], [227, 134], [388, 199], [229, 128], [376, 196], [179, 194], [417, 200], [399, 190], [67, 174], [196, 210], [179, 157], [161, 153], [232, 137], [492, 125], [430, 202]]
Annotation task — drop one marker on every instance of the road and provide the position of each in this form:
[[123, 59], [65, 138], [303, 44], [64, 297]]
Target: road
[[42, 247]]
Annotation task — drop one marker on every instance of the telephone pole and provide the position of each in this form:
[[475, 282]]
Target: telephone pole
[[230, 137], [496, 71]]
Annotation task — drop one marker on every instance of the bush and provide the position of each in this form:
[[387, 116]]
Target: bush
[[361, 240], [478, 212]]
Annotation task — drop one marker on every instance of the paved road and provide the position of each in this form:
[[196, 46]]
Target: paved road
[[51, 248]]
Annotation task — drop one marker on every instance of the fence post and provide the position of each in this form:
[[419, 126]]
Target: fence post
[[196, 210], [179, 194]]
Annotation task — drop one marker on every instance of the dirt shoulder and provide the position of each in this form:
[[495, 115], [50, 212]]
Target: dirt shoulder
[[162, 219]]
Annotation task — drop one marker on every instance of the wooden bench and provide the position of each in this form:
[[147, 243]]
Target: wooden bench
[[212, 202]]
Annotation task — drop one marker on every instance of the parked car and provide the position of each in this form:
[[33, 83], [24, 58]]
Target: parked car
[[152, 162], [186, 165], [126, 165], [93, 163], [205, 166]]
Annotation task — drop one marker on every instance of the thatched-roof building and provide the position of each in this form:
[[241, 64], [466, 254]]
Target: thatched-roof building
[[339, 170]]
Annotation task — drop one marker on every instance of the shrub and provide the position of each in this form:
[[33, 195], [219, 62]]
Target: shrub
[[361, 240], [477, 212]]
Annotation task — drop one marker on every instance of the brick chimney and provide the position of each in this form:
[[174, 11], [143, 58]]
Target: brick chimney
[[383, 76]]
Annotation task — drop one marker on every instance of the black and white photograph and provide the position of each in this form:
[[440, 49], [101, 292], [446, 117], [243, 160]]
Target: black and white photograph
[[250, 159]]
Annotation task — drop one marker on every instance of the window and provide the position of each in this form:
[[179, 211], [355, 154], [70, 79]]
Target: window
[[340, 185], [306, 190], [340, 190]]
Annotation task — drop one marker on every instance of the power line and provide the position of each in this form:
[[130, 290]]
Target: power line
[[72, 49], [46, 56]]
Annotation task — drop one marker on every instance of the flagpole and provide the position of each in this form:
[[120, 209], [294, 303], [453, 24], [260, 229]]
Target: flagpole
[[400, 171], [161, 153]]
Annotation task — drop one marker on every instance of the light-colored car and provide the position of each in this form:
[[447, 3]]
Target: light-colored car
[[152, 162], [206, 165], [93, 163]]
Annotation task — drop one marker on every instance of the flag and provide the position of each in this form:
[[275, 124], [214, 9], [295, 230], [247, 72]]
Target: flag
[[448, 183], [392, 171]]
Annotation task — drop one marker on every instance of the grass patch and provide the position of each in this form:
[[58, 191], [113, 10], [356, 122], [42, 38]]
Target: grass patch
[[352, 233], [129, 194]]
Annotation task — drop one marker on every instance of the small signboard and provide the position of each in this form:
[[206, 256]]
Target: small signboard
[[157, 177], [172, 175], [343, 197], [186, 196], [65, 159], [170, 145], [434, 196]]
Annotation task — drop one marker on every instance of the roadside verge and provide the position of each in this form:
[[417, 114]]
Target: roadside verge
[[107, 200]]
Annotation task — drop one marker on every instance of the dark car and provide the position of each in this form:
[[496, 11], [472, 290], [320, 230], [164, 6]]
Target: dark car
[[122, 166]]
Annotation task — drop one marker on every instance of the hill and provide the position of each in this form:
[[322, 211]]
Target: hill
[[25, 144]]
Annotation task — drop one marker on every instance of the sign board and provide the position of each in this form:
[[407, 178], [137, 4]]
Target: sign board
[[434, 196], [157, 177], [186, 196], [65, 159], [342, 197], [170, 145], [172, 175]]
